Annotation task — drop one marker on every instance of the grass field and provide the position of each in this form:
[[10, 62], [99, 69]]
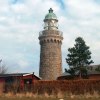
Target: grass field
[[43, 98], [29, 96]]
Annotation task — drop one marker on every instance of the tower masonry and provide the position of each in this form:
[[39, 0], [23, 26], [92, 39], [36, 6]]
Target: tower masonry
[[50, 48]]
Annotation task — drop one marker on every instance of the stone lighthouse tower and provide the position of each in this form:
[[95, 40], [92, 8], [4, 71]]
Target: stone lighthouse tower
[[50, 48]]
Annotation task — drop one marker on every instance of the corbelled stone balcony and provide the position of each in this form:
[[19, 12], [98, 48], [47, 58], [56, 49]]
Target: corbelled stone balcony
[[51, 33]]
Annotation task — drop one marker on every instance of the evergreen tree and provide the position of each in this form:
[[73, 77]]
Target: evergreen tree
[[79, 57]]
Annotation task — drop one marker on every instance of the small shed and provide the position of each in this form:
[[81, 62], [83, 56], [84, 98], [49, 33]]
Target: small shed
[[19, 81]]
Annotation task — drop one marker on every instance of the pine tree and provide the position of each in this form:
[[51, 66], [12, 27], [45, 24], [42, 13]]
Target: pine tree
[[79, 57]]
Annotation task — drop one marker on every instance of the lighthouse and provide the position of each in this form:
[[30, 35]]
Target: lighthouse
[[50, 48]]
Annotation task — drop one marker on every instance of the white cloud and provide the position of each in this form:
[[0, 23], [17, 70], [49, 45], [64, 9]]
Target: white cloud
[[83, 8], [19, 8], [23, 63], [21, 21]]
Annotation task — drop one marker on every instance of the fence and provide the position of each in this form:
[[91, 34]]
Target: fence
[[68, 86]]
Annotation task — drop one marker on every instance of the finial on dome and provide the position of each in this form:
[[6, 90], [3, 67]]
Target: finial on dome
[[50, 10]]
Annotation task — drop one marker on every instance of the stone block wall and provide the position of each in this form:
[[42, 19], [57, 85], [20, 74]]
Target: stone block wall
[[50, 57]]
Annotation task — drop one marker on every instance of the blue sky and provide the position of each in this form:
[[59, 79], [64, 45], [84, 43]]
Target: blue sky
[[22, 20]]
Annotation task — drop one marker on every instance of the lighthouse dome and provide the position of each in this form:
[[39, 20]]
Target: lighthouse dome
[[50, 15]]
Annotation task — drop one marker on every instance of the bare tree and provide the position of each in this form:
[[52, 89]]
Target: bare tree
[[3, 68]]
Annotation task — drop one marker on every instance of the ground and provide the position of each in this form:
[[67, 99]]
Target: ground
[[45, 98]]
